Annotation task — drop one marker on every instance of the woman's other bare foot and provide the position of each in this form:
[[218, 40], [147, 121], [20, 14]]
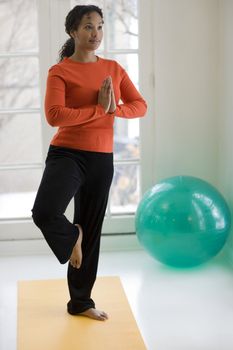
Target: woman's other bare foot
[[95, 314], [76, 256]]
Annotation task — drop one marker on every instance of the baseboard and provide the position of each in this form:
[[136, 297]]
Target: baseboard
[[40, 247]]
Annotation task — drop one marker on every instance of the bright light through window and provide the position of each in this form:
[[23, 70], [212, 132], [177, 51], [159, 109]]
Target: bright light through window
[[20, 121]]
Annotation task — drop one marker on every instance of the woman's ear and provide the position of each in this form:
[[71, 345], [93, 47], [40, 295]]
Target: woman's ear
[[72, 34]]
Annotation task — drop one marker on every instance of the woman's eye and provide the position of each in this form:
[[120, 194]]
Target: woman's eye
[[90, 27]]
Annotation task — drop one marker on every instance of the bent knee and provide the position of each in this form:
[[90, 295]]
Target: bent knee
[[41, 218]]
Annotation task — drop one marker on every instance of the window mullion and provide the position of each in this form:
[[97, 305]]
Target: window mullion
[[20, 166], [105, 51], [19, 54], [19, 110]]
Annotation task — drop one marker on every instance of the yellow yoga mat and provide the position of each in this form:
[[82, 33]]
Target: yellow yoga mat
[[43, 322]]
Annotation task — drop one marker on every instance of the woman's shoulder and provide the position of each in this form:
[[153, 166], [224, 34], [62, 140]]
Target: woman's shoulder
[[111, 63], [56, 68]]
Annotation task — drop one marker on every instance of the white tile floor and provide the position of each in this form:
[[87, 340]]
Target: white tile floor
[[175, 310]]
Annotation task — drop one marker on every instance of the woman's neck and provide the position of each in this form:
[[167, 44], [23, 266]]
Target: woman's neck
[[85, 57]]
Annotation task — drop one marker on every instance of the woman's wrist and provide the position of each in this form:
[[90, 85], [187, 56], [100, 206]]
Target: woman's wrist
[[112, 112]]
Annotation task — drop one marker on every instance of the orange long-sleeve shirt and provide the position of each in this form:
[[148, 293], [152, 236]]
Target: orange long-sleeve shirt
[[71, 103]]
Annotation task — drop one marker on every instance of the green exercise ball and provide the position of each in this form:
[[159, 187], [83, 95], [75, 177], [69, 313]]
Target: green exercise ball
[[183, 221]]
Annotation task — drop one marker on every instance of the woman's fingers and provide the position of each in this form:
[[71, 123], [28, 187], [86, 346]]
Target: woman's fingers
[[111, 85], [104, 97], [106, 83], [105, 93], [106, 86]]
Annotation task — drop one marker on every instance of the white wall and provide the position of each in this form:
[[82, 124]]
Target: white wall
[[193, 62], [225, 120], [186, 94]]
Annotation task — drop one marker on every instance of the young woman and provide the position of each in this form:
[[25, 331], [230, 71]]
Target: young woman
[[82, 100]]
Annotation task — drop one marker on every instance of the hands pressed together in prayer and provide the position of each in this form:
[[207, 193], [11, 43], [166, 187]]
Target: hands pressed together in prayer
[[106, 97]]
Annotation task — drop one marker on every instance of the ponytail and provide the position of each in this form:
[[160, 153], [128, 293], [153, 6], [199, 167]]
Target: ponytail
[[67, 49]]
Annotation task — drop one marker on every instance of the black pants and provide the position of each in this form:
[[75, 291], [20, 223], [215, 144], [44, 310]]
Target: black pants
[[87, 177]]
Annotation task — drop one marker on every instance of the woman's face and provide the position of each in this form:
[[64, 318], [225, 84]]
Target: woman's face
[[89, 34]]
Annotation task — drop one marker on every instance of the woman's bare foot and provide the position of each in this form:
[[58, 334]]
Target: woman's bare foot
[[76, 256], [95, 314]]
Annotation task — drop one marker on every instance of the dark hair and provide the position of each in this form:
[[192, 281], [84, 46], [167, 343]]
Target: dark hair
[[72, 22]]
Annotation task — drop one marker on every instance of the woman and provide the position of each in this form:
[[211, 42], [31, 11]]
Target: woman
[[83, 91]]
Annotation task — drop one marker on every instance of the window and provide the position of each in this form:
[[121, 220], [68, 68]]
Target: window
[[20, 120], [24, 133]]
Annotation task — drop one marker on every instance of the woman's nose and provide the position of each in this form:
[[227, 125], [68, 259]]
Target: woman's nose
[[94, 32]]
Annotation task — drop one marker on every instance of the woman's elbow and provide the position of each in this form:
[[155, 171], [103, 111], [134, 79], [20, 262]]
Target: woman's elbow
[[143, 108], [52, 116], [51, 121]]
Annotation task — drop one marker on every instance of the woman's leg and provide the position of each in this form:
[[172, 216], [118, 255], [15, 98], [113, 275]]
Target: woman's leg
[[90, 206], [61, 180]]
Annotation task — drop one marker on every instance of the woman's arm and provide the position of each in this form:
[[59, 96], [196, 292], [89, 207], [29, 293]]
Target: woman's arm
[[133, 104], [57, 114]]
